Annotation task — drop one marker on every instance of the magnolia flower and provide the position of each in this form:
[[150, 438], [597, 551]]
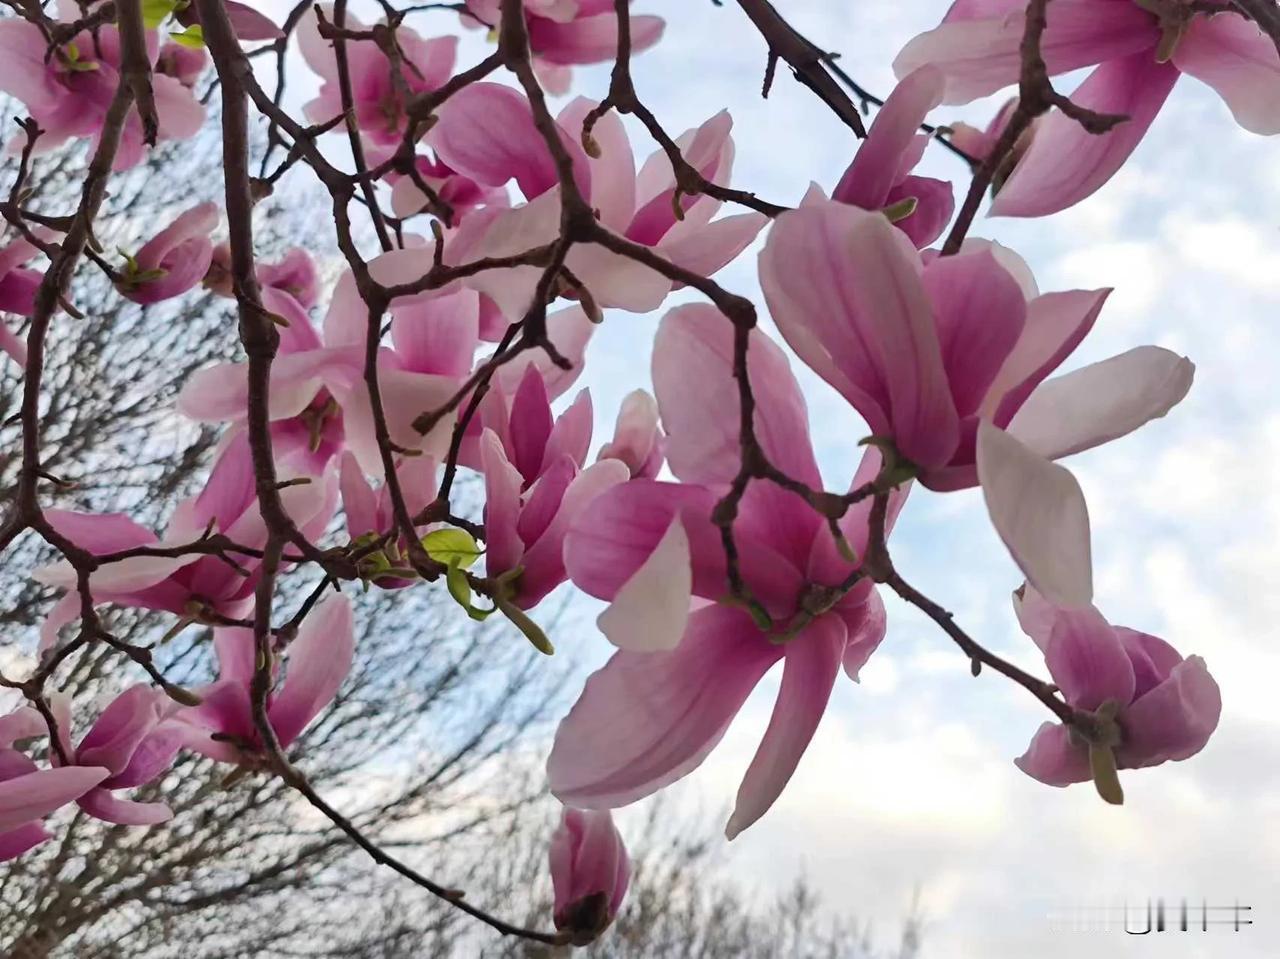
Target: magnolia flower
[[978, 144], [294, 274], [29, 793], [486, 131], [370, 514], [590, 871], [222, 727], [880, 179], [685, 667], [637, 438], [535, 486], [69, 92], [1166, 707], [247, 22], [932, 352], [1141, 49], [563, 33], [174, 260], [190, 585], [378, 96], [185, 64], [18, 288], [461, 193], [318, 398], [130, 740]]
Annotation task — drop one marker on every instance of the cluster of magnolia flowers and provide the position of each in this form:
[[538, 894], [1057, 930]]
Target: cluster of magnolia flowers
[[948, 359]]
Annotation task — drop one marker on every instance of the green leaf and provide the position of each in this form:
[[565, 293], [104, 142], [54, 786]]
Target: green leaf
[[154, 12], [532, 631], [452, 547], [460, 590], [192, 37], [1102, 763]]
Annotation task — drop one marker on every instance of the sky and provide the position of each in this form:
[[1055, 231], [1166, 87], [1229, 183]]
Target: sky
[[909, 786]]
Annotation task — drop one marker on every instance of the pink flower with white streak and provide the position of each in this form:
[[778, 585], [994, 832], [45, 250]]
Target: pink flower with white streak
[[590, 872], [685, 666], [317, 661], [135, 744], [191, 584], [68, 95], [486, 131], [564, 33], [377, 97], [932, 351], [174, 260], [880, 176], [1168, 707], [18, 288], [29, 793], [1140, 49]]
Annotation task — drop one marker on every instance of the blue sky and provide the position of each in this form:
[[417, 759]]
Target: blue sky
[[909, 782]]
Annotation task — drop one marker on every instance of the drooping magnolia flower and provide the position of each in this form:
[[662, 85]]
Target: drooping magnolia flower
[[29, 793], [487, 132], [318, 660], [590, 872], [563, 33], [637, 438], [880, 178], [17, 293], [190, 585], [378, 95], [68, 95], [928, 351], [685, 667], [1140, 47], [535, 485], [1165, 707], [133, 742], [174, 260]]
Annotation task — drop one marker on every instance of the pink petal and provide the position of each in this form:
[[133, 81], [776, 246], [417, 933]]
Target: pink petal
[[707, 249], [1239, 61], [589, 39], [1065, 163], [571, 434], [23, 73], [1038, 509], [981, 56], [935, 204], [37, 794], [844, 288], [866, 625], [180, 114], [530, 425], [318, 661], [648, 719], [16, 842], [502, 482], [980, 314], [1087, 660], [104, 805], [1103, 401], [439, 335], [1174, 720], [613, 174], [650, 611], [876, 167], [249, 24], [812, 661], [359, 501], [698, 397], [23, 723], [1054, 759], [570, 332], [199, 221], [545, 497], [126, 721], [637, 437], [153, 756]]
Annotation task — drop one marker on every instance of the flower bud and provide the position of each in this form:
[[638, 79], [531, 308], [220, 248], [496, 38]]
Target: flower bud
[[590, 871]]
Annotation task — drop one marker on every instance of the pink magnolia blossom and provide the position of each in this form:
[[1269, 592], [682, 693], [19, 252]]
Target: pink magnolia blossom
[[590, 872], [69, 94], [370, 512], [185, 64], [1168, 706], [978, 144], [318, 660], [247, 22], [486, 132], [191, 584], [928, 350], [133, 742], [880, 176], [1140, 55], [294, 274], [685, 666], [379, 102], [461, 193], [29, 793], [563, 33], [18, 288], [174, 260], [638, 441], [535, 485], [318, 399]]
